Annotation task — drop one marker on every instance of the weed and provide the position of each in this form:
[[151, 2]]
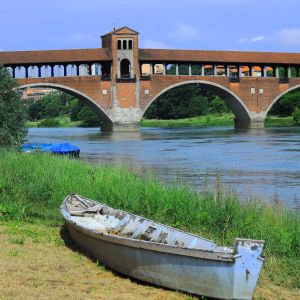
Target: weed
[[17, 241]]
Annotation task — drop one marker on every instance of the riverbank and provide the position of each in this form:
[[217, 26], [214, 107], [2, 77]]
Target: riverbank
[[214, 120], [200, 121], [33, 186], [63, 121]]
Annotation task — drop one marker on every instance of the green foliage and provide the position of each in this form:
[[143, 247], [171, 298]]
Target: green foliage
[[32, 188], [88, 118], [184, 102], [199, 121], [287, 104], [52, 104], [12, 113], [58, 104], [50, 122], [296, 116]]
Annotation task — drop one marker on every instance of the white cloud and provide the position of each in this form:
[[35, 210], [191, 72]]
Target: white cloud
[[288, 36], [255, 39], [152, 44], [185, 32]]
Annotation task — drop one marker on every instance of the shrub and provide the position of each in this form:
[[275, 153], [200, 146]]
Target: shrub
[[296, 116], [50, 122]]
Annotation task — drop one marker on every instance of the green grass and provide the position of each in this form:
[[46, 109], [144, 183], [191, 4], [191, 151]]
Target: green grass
[[215, 120], [32, 188], [200, 121], [64, 121], [274, 121]]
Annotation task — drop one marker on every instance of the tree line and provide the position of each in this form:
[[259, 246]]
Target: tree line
[[56, 104]]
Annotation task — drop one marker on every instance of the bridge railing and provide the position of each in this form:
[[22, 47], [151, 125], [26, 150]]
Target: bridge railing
[[284, 80], [145, 77], [126, 78], [105, 77], [234, 78]]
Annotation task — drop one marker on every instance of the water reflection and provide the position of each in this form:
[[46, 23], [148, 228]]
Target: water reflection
[[259, 163]]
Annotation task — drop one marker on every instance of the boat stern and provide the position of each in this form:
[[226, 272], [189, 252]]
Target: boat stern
[[247, 266]]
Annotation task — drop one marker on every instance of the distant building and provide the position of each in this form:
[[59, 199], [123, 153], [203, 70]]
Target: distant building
[[34, 93]]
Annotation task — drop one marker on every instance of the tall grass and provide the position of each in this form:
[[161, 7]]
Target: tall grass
[[33, 186]]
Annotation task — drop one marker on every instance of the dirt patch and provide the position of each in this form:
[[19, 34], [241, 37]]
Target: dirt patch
[[36, 263]]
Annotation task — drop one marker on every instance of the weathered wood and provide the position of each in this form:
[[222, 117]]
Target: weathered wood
[[163, 255]]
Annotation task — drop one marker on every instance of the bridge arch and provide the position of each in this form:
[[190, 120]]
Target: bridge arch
[[279, 96], [98, 109], [234, 102]]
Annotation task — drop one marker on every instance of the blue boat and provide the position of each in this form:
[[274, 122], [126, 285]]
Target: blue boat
[[59, 149]]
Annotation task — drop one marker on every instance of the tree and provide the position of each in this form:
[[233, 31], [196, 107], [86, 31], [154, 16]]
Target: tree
[[296, 116], [12, 113], [287, 104], [88, 117], [186, 101], [52, 104]]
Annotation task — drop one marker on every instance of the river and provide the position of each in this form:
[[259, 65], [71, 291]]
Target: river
[[262, 163]]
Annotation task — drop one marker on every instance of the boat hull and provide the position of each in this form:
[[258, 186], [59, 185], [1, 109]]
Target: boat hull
[[216, 279]]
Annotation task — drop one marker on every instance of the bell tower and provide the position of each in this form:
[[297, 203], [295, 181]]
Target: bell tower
[[122, 45]]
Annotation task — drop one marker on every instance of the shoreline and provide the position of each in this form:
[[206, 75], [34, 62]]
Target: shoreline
[[200, 121]]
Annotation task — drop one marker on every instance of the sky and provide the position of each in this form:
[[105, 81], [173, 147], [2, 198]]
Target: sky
[[254, 25]]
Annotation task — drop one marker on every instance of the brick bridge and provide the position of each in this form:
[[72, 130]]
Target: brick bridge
[[120, 81]]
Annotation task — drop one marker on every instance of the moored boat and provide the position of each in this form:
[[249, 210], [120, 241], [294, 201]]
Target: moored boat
[[58, 148], [162, 255]]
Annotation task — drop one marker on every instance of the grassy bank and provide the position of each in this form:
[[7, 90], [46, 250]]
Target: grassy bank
[[200, 121], [61, 122], [33, 186], [274, 121], [215, 120]]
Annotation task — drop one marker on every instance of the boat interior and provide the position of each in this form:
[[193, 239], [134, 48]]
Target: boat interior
[[104, 219]]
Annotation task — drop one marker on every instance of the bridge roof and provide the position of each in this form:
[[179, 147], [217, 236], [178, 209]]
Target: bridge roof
[[54, 56], [255, 58]]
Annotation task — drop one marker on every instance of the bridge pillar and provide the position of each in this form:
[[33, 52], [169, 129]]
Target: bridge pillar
[[118, 126], [256, 120], [124, 119]]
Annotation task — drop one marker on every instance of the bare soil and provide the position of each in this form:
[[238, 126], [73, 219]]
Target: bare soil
[[39, 262]]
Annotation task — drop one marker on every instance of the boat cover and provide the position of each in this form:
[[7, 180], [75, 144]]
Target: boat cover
[[59, 148]]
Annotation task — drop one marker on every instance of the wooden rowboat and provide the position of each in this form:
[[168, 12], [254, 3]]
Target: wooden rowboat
[[162, 255]]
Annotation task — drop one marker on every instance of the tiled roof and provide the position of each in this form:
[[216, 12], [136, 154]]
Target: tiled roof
[[121, 29], [54, 56], [164, 55]]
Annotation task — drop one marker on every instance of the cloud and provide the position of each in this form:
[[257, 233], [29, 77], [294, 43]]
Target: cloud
[[153, 44], [185, 32], [288, 36], [255, 39]]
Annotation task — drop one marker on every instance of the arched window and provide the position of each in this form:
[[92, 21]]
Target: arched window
[[125, 68], [119, 45], [124, 45], [130, 45]]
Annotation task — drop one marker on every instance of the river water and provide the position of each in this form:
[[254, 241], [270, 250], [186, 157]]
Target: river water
[[262, 163]]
